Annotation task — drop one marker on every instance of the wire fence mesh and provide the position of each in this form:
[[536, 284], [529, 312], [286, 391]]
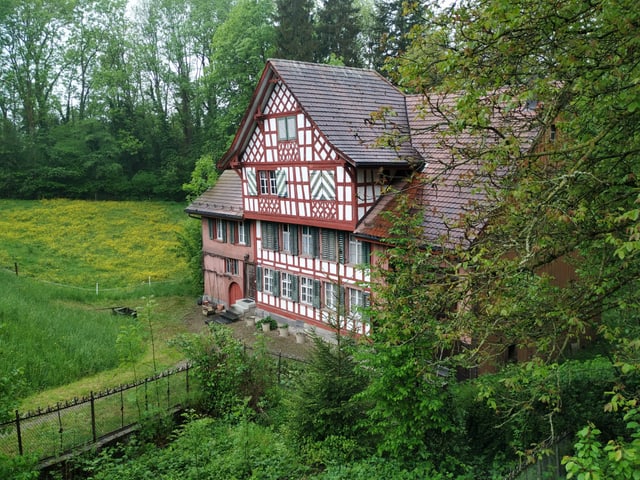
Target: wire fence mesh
[[58, 429]]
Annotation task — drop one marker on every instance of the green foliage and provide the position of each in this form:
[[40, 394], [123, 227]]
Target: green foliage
[[337, 30], [295, 39], [206, 448], [19, 467], [267, 320], [380, 467], [228, 373], [204, 176], [322, 403], [411, 409]]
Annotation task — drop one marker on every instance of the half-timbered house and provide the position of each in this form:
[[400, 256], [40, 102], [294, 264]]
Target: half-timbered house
[[307, 179], [304, 169]]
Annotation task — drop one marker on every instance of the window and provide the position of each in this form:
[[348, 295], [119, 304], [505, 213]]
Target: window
[[269, 236], [231, 266], [289, 286], [329, 249], [221, 230], [358, 251], [306, 290], [273, 182], [271, 282], [309, 241], [243, 233], [331, 296], [287, 128], [357, 301], [286, 237], [310, 291], [267, 182]]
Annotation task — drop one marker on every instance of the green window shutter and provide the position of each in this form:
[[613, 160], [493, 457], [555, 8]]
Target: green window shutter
[[341, 240], [252, 186], [259, 279], [366, 253], [281, 183], [341, 299], [295, 291], [232, 232], [367, 304], [275, 281], [316, 293], [294, 239], [210, 225], [247, 232], [315, 241], [224, 230]]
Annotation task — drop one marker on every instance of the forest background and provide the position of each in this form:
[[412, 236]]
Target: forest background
[[101, 99], [98, 103]]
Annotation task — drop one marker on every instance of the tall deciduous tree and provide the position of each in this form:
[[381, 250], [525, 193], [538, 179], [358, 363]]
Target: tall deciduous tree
[[241, 47], [572, 195]]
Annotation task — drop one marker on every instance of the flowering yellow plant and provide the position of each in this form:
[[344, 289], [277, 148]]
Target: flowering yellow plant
[[81, 243]]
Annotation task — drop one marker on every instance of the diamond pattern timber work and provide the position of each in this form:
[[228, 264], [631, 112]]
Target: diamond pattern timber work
[[268, 205], [323, 210], [322, 150], [281, 101], [288, 152], [255, 148]]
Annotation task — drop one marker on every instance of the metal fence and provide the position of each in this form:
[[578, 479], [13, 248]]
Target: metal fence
[[57, 430]]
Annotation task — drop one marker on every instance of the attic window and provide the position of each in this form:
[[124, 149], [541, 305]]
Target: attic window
[[287, 128]]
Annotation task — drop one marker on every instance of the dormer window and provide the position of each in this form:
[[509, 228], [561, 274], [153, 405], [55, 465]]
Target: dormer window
[[287, 129]]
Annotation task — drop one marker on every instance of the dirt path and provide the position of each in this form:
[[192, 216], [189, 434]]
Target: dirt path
[[194, 322]]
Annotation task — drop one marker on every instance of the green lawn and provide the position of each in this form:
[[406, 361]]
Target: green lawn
[[54, 326]]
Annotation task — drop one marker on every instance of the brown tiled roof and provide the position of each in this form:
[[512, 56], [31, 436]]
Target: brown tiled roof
[[452, 187], [223, 200], [340, 101]]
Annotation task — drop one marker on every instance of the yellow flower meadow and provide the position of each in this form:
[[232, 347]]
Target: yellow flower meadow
[[81, 243]]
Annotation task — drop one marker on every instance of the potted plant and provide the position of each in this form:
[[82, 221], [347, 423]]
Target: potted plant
[[283, 328], [267, 324]]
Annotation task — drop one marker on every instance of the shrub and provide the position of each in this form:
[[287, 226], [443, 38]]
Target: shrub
[[228, 373]]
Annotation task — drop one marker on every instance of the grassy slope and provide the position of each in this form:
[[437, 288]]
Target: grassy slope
[[66, 333]]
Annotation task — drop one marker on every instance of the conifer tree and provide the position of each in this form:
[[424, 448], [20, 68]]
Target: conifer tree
[[294, 32], [338, 28]]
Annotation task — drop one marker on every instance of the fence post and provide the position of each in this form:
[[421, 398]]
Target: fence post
[[122, 408], [279, 365], [168, 391], [187, 379], [93, 418], [18, 432]]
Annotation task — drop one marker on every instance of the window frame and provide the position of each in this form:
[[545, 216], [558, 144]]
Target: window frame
[[306, 290], [267, 181], [359, 251], [287, 128], [231, 266]]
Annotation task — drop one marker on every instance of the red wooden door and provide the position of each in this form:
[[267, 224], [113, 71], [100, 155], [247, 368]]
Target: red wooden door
[[235, 293]]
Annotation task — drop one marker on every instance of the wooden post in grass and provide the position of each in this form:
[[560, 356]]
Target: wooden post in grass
[[93, 418], [18, 433]]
